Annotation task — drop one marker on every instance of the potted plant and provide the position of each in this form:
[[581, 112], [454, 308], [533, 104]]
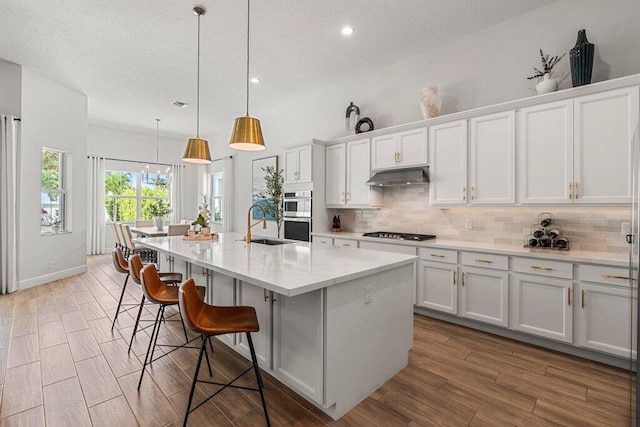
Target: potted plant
[[273, 196], [545, 83], [159, 210], [202, 223]]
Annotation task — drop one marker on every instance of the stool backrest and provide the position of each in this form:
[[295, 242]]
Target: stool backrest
[[128, 238], [151, 283], [135, 265], [119, 262], [144, 223], [178, 229], [190, 304]]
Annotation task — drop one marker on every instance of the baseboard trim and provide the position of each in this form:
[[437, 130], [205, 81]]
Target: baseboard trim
[[35, 281]]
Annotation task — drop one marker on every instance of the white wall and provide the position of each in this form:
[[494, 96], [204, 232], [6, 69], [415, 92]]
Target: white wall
[[54, 116], [10, 85], [482, 69]]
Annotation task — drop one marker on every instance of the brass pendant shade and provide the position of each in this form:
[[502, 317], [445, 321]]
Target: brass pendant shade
[[247, 134], [197, 151]]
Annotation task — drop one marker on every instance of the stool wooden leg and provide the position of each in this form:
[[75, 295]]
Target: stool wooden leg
[[124, 286], [258, 376], [135, 327], [156, 325], [195, 379]]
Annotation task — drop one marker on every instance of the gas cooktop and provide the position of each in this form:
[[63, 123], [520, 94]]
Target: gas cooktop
[[400, 236]]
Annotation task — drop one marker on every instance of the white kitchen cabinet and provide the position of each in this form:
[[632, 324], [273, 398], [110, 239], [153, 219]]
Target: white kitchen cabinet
[[492, 158], [437, 286], [221, 291], [399, 150], [484, 292], [298, 164], [260, 299], [347, 243], [543, 306], [448, 168], [298, 342], [322, 240], [347, 171], [579, 150]]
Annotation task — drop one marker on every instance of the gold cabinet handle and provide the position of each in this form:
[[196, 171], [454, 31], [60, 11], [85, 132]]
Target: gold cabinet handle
[[463, 279], [582, 297], [437, 255], [486, 261], [575, 196], [464, 193], [537, 267], [568, 296], [346, 244], [454, 277], [613, 276], [571, 190], [473, 193]]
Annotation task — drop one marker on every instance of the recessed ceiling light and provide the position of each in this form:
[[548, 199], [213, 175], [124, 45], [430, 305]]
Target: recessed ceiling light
[[255, 80], [179, 104], [347, 31]]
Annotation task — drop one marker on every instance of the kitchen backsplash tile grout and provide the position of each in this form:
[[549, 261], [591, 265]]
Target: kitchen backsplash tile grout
[[407, 209]]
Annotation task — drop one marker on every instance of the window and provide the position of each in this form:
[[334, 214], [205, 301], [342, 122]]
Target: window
[[130, 196], [54, 195], [217, 194]]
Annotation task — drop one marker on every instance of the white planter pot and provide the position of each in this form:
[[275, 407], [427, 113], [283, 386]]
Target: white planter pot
[[160, 223], [547, 84]]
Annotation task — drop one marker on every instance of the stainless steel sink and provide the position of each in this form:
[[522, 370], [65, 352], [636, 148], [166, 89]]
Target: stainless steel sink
[[269, 242]]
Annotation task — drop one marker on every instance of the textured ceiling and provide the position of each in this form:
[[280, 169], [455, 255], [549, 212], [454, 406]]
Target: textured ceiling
[[134, 57]]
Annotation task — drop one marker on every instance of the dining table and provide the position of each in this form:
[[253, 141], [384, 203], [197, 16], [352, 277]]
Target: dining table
[[149, 231]]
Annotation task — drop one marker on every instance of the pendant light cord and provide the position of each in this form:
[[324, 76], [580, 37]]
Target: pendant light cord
[[248, 15], [198, 85]]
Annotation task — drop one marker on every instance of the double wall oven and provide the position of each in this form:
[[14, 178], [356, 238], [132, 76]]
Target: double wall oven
[[297, 215]]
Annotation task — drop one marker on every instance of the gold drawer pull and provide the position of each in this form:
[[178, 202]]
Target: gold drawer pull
[[537, 267], [437, 255], [583, 298], [486, 261], [568, 296], [613, 276], [346, 244], [571, 190], [454, 277], [463, 279]]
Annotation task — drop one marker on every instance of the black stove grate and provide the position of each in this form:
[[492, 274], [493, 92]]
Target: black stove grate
[[400, 236]]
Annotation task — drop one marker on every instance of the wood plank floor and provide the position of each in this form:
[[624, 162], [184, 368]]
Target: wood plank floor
[[60, 364]]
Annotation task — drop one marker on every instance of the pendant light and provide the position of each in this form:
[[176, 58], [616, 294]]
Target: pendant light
[[247, 134], [197, 149]]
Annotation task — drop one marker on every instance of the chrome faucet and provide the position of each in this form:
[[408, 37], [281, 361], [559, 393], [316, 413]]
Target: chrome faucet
[[247, 238]]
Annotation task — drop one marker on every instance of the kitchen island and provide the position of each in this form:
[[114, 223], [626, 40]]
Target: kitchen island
[[335, 322]]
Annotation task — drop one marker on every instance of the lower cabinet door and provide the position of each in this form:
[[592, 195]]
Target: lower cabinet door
[[260, 299], [543, 306], [437, 286], [221, 291], [484, 295], [298, 357], [607, 319]]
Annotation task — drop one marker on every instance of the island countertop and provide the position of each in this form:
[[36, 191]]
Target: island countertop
[[288, 269]]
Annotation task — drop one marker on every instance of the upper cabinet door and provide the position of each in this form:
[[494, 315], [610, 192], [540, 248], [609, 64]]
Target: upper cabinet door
[[492, 159], [448, 171], [545, 153], [384, 151], [305, 163], [335, 174], [358, 172], [291, 166], [605, 124], [412, 147]]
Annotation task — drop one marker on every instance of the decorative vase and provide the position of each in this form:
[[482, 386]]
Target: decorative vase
[[546, 84], [55, 229], [581, 59], [160, 223], [431, 102]]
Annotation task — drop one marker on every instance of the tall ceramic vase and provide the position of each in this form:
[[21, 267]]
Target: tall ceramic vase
[[581, 58]]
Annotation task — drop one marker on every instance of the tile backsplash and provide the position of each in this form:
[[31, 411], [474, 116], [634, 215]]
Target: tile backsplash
[[407, 209]]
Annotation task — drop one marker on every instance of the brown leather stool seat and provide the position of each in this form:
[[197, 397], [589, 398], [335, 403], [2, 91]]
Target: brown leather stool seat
[[135, 267], [158, 292], [209, 320]]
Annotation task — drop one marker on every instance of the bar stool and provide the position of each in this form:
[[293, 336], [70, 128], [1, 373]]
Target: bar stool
[[158, 292], [169, 278], [209, 320], [121, 266]]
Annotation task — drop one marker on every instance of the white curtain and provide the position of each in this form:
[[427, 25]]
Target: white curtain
[[96, 208], [177, 200], [8, 204]]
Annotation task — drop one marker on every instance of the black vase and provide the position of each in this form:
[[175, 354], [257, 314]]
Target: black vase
[[581, 58]]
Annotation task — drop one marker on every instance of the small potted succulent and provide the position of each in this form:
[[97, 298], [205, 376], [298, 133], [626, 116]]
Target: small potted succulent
[[544, 82]]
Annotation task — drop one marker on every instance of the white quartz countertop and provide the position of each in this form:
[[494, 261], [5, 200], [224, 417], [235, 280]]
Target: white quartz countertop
[[290, 269], [572, 255]]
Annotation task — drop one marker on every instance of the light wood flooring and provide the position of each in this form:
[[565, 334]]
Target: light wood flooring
[[61, 365]]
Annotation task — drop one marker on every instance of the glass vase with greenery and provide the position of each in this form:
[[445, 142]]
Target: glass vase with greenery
[[273, 196]]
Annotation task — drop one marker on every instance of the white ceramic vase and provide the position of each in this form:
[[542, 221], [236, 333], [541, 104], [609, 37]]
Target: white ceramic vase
[[160, 223], [431, 102], [546, 84]]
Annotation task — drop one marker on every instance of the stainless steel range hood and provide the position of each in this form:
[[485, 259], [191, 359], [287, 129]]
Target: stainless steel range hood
[[395, 177]]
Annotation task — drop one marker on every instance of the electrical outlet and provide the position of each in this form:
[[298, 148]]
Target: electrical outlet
[[367, 294], [50, 265], [469, 224], [625, 228]]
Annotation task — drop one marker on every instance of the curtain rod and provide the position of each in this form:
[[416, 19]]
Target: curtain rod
[[137, 161]]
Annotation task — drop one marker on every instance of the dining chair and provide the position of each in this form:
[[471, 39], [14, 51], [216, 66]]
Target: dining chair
[[144, 223], [133, 249], [116, 240], [177, 229], [121, 241]]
